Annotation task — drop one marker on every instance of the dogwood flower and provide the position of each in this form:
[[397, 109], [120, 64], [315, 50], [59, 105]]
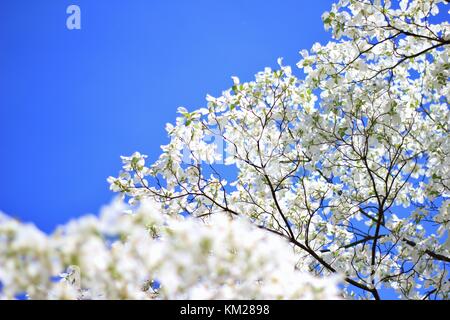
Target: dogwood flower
[[350, 164]]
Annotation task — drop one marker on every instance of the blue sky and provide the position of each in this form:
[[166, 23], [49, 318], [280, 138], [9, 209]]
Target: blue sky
[[73, 101]]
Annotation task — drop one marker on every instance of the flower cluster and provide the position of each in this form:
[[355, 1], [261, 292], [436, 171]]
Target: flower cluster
[[148, 255], [349, 164]]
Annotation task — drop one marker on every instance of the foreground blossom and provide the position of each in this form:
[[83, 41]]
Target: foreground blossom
[[149, 255]]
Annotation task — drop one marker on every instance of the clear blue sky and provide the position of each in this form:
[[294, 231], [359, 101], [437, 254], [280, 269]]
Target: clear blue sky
[[73, 101]]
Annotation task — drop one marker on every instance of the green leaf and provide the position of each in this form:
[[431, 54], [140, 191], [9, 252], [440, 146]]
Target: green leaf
[[341, 132]]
